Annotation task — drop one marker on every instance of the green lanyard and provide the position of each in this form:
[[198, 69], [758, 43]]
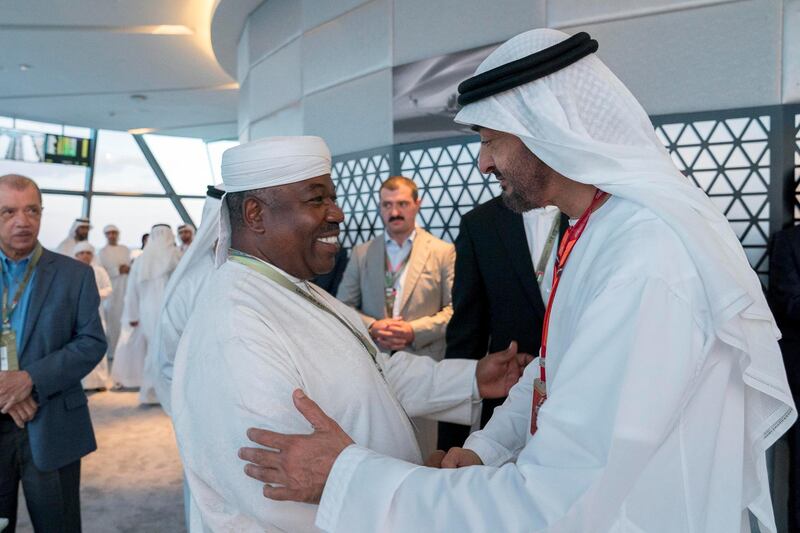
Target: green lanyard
[[548, 249], [390, 277], [267, 270], [7, 309]]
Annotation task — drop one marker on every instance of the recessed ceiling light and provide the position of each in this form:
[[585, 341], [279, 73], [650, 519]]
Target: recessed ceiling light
[[139, 97], [23, 67], [141, 131]]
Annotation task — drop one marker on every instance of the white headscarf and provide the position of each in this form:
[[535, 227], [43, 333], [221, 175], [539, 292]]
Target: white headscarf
[[82, 246], [201, 245], [110, 227], [585, 124], [160, 255], [77, 224], [187, 226], [268, 162]]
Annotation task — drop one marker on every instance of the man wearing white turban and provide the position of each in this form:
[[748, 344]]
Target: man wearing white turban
[[143, 297], [664, 384], [84, 252], [261, 330], [116, 259], [186, 236], [79, 231]]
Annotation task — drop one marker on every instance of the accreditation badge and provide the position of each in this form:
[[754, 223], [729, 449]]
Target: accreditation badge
[[539, 396], [390, 295], [8, 351]]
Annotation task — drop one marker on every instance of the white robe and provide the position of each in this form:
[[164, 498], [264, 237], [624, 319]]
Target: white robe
[[237, 364], [643, 429], [98, 378], [142, 304], [66, 247], [174, 317], [111, 257]]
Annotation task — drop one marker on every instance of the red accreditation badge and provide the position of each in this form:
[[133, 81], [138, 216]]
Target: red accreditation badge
[[539, 396]]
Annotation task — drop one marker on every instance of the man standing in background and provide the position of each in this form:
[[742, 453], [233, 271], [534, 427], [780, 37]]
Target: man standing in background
[[51, 338], [116, 259], [186, 235], [79, 231], [400, 284], [503, 276]]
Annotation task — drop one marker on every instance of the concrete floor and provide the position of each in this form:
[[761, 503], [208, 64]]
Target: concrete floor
[[133, 482]]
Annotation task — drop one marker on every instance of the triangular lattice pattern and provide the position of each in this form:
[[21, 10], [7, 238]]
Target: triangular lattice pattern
[[450, 184], [797, 169], [357, 182], [730, 160]]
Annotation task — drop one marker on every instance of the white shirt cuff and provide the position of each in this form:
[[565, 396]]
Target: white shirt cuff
[[332, 500]]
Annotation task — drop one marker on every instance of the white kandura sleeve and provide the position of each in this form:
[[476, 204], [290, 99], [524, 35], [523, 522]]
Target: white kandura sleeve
[[597, 432], [504, 436], [440, 390]]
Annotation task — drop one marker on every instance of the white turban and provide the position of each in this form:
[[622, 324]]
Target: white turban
[[585, 124], [274, 161], [110, 227], [268, 162], [82, 246]]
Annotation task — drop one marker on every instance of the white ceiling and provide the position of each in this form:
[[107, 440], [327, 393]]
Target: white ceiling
[[88, 57]]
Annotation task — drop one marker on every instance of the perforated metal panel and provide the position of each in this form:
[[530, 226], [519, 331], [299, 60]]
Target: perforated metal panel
[[729, 154], [730, 160]]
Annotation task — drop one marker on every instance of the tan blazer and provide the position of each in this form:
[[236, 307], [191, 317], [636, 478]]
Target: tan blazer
[[425, 302]]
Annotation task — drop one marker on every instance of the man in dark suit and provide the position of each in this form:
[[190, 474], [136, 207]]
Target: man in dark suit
[[496, 298], [51, 338], [784, 292]]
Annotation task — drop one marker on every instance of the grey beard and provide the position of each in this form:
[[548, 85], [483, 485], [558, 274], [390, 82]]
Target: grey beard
[[516, 202]]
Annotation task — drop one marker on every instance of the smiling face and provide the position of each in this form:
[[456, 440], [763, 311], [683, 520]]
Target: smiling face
[[296, 226], [527, 182], [20, 218]]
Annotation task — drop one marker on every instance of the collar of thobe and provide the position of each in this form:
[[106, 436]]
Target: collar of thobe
[[291, 283]]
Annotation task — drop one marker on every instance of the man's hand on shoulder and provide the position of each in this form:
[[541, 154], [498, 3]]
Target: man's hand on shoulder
[[296, 467], [15, 386], [499, 371]]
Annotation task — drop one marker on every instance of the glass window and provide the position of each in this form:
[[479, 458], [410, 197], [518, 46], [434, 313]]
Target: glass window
[[133, 217], [47, 175], [184, 161], [6, 122], [42, 127], [120, 165], [215, 150], [60, 211], [194, 206], [74, 131]]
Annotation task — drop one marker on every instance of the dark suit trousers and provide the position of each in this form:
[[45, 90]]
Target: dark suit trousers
[[53, 498]]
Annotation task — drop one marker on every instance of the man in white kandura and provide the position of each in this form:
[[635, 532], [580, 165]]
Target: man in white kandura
[[84, 252], [664, 384], [261, 330], [78, 232], [148, 279], [116, 259], [185, 285]]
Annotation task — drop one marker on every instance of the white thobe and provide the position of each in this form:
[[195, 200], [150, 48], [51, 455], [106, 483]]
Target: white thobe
[[238, 362], [66, 247], [111, 258], [174, 316], [643, 429], [98, 377]]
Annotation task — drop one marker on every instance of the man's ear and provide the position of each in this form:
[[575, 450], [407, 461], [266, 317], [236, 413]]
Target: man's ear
[[254, 215]]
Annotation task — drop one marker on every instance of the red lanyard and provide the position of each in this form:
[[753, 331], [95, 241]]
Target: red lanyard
[[569, 241]]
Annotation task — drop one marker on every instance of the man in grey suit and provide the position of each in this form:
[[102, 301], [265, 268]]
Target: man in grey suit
[[400, 283], [51, 337]]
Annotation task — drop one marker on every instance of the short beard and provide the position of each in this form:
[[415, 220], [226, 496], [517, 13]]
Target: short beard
[[517, 202]]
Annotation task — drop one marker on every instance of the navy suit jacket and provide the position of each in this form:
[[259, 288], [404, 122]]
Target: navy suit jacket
[[784, 292], [62, 341]]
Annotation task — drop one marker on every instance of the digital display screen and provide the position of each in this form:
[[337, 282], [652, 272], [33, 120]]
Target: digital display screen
[[67, 150]]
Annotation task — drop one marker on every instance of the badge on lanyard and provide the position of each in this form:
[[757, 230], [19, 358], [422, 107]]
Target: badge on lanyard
[[8, 350]]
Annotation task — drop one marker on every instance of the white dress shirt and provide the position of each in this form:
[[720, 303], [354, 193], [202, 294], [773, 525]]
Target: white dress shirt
[[538, 223], [396, 255]]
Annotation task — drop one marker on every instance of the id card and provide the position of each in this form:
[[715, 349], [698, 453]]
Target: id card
[[390, 295], [8, 351], [539, 396]]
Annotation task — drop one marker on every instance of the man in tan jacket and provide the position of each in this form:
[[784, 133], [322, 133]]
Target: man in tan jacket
[[400, 284]]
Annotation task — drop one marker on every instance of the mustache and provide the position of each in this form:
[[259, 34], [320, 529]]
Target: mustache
[[329, 228], [392, 219]]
